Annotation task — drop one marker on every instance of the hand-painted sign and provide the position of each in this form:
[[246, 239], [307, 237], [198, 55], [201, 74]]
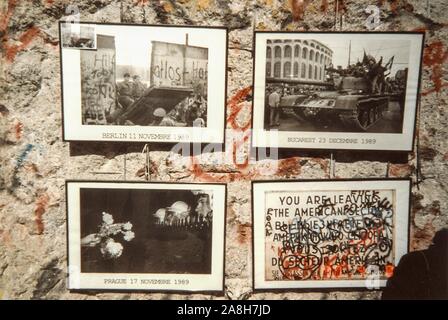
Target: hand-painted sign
[[98, 81], [179, 65]]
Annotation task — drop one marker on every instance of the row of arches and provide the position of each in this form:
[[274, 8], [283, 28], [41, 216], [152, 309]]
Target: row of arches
[[289, 70], [304, 53], [305, 43]]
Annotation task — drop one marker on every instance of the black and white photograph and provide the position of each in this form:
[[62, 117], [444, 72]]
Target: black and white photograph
[[78, 36], [152, 236], [336, 90], [329, 233], [146, 83]]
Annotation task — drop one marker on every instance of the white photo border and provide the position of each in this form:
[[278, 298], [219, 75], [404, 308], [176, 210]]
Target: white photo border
[[320, 140], [401, 244], [79, 281], [215, 37]]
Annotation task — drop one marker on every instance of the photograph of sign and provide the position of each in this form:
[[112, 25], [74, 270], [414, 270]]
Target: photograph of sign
[[144, 83], [329, 234], [342, 90], [145, 236]]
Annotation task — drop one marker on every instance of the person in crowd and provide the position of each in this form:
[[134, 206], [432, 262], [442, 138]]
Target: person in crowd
[[421, 274], [125, 91], [193, 113], [138, 87], [162, 120], [274, 102]]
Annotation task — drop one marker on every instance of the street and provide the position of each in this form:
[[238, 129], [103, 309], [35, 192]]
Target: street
[[389, 123]]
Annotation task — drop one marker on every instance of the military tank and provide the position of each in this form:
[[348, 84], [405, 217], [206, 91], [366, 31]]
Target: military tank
[[348, 100]]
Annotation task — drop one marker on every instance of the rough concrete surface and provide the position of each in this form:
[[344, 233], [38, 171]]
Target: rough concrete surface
[[35, 161]]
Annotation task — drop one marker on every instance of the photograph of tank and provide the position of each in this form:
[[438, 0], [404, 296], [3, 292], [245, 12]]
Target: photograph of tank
[[336, 85], [145, 235], [336, 90]]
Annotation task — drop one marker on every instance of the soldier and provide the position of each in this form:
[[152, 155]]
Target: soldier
[[161, 120], [124, 90], [138, 87], [274, 101]]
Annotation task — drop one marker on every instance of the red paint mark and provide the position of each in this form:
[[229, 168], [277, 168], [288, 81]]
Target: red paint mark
[[25, 39], [434, 57], [340, 7], [396, 5], [235, 105], [298, 9], [288, 167], [10, 50], [401, 170], [244, 234], [361, 270], [39, 209], [389, 270], [4, 17], [324, 6], [18, 130]]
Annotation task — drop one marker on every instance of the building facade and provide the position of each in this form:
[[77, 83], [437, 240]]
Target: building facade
[[297, 60]]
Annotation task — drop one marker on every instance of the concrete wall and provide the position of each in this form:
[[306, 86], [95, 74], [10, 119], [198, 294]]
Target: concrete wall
[[35, 162]]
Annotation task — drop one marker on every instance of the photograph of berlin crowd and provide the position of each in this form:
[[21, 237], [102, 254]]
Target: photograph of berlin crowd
[[147, 83]]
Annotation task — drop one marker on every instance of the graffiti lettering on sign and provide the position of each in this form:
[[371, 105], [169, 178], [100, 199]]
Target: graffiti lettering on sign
[[328, 235], [98, 81], [179, 65]]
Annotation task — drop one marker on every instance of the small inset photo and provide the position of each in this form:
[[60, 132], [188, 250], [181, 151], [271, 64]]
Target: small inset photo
[[146, 236], [78, 36]]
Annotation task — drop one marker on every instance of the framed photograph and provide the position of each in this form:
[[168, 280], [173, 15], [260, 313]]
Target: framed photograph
[[143, 83], [336, 90], [328, 233], [146, 236]]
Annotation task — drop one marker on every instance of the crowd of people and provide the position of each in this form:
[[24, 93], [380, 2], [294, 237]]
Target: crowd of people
[[190, 112]]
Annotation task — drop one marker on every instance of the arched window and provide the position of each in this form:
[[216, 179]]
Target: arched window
[[310, 72], [321, 58], [296, 69], [278, 52], [287, 70], [315, 72], [268, 69], [297, 51], [317, 57], [320, 73], [311, 55], [305, 42], [312, 44], [304, 53], [277, 70], [303, 74], [268, 53], [288, 52]]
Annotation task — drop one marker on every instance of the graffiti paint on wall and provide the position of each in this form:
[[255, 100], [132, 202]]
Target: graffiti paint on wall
[[179, 65], [98, 81], [328, 235]]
